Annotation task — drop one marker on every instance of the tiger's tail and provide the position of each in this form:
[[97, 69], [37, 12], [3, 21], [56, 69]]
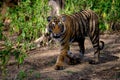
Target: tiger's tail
[[102, 45]]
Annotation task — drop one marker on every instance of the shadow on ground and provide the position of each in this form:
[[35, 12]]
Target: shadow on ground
[[39, 63]]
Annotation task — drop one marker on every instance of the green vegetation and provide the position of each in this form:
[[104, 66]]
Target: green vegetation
[[28, 19], [28, 22], [24, 75], [108, 11], [21, 75]]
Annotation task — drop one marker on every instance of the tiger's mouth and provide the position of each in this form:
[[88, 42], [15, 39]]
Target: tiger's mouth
[[56, 35]]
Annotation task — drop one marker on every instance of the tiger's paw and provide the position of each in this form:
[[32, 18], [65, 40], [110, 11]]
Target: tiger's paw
[[59, 67]]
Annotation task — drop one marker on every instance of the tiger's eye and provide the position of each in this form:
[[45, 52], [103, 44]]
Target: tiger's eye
[[53, 24], [59, 24]]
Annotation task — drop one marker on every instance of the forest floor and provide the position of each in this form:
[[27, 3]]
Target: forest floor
[[39, 63]]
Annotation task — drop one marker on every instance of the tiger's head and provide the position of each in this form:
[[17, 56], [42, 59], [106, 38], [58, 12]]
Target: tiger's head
[[56, 26]]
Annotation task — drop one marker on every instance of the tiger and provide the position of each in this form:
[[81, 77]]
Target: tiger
[[75, 28]]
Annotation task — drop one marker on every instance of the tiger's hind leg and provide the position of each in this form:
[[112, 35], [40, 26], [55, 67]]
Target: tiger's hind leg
[[95, 43]]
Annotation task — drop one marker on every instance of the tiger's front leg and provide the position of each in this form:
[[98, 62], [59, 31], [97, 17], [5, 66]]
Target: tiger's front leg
[[73, 59], [77, 59], [60, 60]]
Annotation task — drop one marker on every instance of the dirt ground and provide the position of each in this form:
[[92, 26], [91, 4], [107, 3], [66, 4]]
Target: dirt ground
[[39, 63]]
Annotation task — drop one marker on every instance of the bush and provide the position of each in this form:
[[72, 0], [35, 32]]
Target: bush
[[28, 22]]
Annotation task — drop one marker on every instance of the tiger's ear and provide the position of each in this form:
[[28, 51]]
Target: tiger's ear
[[49, 18], [63, 18]]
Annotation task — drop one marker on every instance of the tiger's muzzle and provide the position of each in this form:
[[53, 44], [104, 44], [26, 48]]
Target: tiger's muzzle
[[56, 35]]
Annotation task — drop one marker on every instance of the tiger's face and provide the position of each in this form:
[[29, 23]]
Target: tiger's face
[[56, 26]]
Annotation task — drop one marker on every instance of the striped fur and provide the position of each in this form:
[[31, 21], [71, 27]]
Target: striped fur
[[74, 28]]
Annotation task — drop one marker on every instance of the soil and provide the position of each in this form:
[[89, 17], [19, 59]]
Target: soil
[[39, 63]]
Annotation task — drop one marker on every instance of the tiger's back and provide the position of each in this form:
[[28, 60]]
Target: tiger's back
[[81, 24]]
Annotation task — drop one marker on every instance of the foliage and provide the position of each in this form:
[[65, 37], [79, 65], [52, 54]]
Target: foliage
[[27, 23], [6, 53], [1, 34], [28, 19], [107, 11], [22, 75]]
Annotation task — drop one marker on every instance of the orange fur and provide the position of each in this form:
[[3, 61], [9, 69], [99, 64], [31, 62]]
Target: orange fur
[[74, 28]]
